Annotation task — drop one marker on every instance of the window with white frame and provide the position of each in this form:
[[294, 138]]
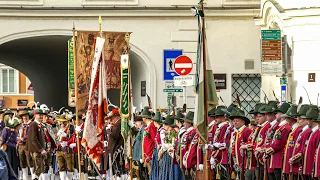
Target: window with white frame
[[9, 80]]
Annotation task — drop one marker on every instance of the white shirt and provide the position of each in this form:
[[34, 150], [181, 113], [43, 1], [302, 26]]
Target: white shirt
[[37, 121], [273, 123], [315, 128], [240, 129], [283, 122], [305, 128], [212, 123], [222, 124], [162, 132], [261, 125], [294, 126]]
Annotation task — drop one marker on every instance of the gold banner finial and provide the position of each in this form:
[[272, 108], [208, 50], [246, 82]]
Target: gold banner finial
[[100, 25]]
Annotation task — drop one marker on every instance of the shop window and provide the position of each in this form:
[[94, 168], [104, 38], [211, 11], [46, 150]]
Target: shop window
[[9, 81]]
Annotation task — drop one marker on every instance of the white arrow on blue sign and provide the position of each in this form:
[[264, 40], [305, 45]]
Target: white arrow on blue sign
[[169, 56]]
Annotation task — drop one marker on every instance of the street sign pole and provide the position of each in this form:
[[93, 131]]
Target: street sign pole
[[184, 94]]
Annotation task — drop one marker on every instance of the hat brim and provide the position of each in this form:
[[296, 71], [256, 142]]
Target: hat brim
[[61, 120], [188, 120], [146, 116], [288, 116], [246, 120]]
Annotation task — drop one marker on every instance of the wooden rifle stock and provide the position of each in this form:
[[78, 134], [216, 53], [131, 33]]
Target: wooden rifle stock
[[258, 168], [290, 174], [242, 169]]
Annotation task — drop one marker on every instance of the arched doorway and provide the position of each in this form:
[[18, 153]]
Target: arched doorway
[[44, 60]]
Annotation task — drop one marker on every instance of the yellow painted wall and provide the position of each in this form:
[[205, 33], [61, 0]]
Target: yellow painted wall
[[12, 101], [22, 83]]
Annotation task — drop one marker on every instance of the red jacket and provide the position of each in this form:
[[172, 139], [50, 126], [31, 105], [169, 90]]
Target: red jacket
[[292, 139], [299, 147], [310, 151], [317, 162], [148, 142], [241, 137], [186, 143], [270, 133], [278, 144], [225, 153], [219, 138], [193, 151]]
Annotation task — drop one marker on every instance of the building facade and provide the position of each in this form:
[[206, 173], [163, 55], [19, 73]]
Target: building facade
[[233, 38], [15, 90]]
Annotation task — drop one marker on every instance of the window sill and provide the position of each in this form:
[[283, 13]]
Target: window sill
[[14, 94]]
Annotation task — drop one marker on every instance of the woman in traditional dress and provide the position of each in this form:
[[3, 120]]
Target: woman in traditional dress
[[164, 157], [10, 137], [154, 174]]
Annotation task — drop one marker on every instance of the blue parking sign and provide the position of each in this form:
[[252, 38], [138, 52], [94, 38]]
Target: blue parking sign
[[169, 56]]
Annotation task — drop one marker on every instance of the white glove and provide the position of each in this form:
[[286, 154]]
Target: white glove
[[212, 161], [130, 123], [72, 145], [208, 146], [217, 145], [223, 146], [201, 167], [105, 143], [64, 143], [61, 134], [141, 161], [213, 166], [78, 129], [184, 162]]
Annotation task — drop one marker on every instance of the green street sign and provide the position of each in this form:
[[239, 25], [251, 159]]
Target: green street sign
[[283, 80], [70, 64], [270, 34], [172, 90]]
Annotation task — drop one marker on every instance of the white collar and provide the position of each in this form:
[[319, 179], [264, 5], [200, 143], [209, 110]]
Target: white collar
[[148, 123], [305, 128], [222, 124], [190, 129], [261, 125], [283, 122], [273, 123], [38, 122], [294, 126], [315, 128], [240, 129], [212, 123], [182, 130]]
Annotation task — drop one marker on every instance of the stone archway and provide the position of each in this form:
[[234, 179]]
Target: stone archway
[[18, 59]]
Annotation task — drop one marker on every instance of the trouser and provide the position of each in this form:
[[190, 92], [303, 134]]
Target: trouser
[[287, 176], [65, 158], [307, 177], [13, 158], [223, 172], [276, 175], [48, 161], [83, 162], [25, 157], [260, 170], [189, 174], [38, 160], [250, 175]]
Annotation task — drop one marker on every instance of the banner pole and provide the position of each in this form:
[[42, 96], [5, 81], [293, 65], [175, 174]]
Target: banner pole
[[76, 97]]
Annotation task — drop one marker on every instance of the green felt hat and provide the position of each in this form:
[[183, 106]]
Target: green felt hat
[[11, 122], [269, 108], [168, 120], [240, 114], [137, 118], [8, 112], [146, 113], [255, 110], [312, 113], [39, 111], [157, 117], [303, 109], [292, 112], [230, 108], [211, 112], [189, 117], [179, 116], [174, 125], [25, 112], [283, 108], [220, 111]]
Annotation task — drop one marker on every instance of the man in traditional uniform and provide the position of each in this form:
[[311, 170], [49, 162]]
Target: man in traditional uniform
[[24, 155], [312, 142], [189, 157], [148, 143], [35, 143], [297, 155], [64, 152], [73, 145], [291, 115], [240, 137], [50, 147], [256, 140], [276, 148]]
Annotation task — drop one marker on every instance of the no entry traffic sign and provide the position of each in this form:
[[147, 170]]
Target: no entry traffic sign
[[183, 65]]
